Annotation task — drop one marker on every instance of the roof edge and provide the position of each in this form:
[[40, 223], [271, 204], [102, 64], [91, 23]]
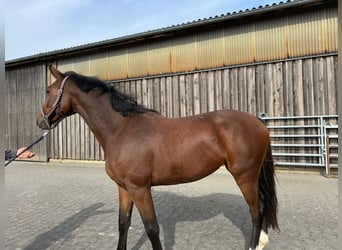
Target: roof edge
[[53, 55]]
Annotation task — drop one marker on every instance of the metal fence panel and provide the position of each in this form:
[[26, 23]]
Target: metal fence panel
[[304, 141]]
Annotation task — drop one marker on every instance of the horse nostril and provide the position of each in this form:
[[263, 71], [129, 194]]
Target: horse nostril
[[41, 123]]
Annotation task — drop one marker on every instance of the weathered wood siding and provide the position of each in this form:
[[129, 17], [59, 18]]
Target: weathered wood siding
[[288, 88], [25, 93]]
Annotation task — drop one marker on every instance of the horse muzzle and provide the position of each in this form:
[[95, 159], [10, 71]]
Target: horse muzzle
[[45, 122], [42, 123]]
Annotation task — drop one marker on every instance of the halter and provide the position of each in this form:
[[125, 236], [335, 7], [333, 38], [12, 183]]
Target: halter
[[54, 107]]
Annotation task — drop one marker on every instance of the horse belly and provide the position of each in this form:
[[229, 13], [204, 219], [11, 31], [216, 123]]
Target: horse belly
[[189, 154], [187, 169]]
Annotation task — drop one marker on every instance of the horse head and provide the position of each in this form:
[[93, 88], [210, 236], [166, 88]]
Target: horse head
[[58, 103]]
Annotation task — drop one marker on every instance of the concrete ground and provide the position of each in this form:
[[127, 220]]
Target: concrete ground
[[75, 206]]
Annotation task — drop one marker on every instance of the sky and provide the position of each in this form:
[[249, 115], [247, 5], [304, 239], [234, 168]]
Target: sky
[[39, 26]]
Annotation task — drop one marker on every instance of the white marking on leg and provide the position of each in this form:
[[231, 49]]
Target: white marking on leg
[[263, 240]]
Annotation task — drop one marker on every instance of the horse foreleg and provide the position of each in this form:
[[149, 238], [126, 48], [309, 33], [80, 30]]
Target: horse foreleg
[[143, 201], [125, 213]]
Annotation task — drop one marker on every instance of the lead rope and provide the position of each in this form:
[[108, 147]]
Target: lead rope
[[46, 132]]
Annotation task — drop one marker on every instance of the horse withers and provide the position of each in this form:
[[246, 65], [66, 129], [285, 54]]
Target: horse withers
[[142, 149]]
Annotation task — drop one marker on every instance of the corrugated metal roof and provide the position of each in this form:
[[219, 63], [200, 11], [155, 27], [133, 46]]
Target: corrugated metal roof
[[167, 31]]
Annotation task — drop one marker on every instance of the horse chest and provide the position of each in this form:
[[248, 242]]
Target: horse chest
[[128, 175], [114, 174]]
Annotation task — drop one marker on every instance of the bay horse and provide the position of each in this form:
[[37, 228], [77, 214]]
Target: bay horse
[[142, 149]]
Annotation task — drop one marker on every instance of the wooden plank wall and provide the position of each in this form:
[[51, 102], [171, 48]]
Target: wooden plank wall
[[25, 93], [292, 88], [289, 88]]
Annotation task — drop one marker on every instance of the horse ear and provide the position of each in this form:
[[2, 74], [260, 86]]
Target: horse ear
[[56, 73]]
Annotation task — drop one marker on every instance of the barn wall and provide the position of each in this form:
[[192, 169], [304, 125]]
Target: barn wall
[[285, 88], [25, 93], [281, 37], [281, 63]]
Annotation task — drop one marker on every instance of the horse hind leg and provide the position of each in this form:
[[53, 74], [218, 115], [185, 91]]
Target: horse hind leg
[[255, 196], [260, 228], [250, 193], [248, 184], [263, 239]]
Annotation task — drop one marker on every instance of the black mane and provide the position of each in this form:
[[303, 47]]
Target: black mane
[[120, 102]]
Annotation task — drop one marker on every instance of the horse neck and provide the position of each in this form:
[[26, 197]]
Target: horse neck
[[97, 112]]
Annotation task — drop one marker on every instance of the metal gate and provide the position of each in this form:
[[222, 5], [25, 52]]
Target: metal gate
[[304, 141]]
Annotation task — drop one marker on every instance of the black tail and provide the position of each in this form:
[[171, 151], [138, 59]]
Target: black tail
[[267, 191]]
